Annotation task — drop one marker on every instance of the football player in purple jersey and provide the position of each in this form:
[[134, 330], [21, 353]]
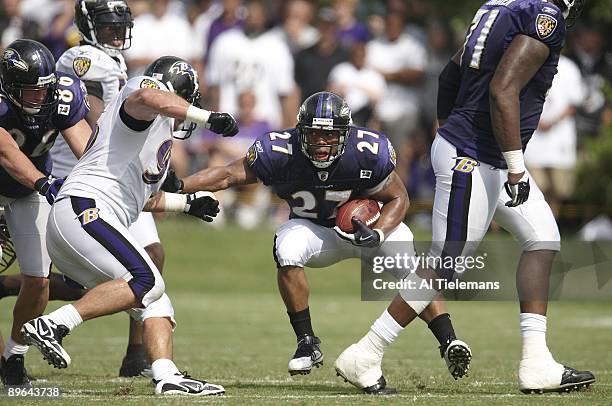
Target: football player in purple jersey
[[36, 103], [489, 103], [315, 167]]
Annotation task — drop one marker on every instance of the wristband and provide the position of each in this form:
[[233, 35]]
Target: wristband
[[197, 115], [515, 161], [175, 202]]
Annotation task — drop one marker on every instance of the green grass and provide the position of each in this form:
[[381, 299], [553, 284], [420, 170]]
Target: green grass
[[233, 329]]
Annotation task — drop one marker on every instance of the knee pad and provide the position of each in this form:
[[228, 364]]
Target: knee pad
[[155, 293], [162, 307]]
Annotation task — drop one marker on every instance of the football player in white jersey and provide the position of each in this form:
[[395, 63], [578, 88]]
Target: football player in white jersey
[[105, 28], [120, 175]]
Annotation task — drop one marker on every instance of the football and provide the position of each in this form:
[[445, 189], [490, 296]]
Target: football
[[366, 210]]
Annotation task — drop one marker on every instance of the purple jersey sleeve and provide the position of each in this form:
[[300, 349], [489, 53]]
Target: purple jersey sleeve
[[374, 155], [270, 153], [543, 21], [73, 104]]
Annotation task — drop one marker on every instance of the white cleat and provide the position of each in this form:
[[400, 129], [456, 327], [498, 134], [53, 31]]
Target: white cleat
[[362, 369], [44, 334], [540, 375], [457, 356], [183, 384]]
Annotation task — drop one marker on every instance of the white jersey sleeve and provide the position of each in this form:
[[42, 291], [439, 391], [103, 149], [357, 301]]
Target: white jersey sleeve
[[104, 77]]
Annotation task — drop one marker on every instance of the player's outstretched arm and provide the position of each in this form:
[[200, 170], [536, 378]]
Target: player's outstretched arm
[[523, 58], [394, 198], [145, 104], [77, 136], [220, 177], [16, 163]]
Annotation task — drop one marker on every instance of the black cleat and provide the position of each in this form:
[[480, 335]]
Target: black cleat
[[134, 363], [307, 355], [571, 380], [380, 388], [13, 372]]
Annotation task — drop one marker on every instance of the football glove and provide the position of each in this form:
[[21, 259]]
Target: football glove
[[202, 205], [172, 184], [519, 192], [363, 236], [222, 123], [49, 187]]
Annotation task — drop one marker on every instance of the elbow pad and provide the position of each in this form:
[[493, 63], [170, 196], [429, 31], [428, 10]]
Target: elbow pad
[[448, 88]]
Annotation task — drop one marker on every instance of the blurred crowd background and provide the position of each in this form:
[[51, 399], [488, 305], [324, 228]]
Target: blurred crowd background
[[260, 59]]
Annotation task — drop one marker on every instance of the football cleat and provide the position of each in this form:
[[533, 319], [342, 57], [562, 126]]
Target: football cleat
[[135, 363], [362, 369], [183, 384], [541, 376], [44, 334], [307, 355], [13, 372], [457, 356]]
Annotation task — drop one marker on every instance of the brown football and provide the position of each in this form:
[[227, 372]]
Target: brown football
[[366, 210]]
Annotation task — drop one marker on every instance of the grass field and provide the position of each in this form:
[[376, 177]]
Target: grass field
[[233, 330]]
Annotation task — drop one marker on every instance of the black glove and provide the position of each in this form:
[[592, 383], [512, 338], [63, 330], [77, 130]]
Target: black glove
[[49, 187], [172, 184], [202, 205], [519, 193], [222, 123], [363, 236]]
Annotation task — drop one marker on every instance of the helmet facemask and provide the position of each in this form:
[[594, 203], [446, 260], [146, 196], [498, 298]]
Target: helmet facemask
[[108, 26], [322, 142], [34, 100]]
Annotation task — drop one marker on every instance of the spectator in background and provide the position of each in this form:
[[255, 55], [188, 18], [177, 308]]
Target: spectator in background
[[203, 13], [551, 154], [359, 85], [158, 33], [596, 67], [313, 65], [257, 60], [402, 61], [14, 26], [232, 16], [248, 202], [440, 50], [350, 30], [295, 29]]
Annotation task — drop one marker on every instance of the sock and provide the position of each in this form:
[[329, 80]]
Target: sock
[[137, 350], [163, 367], [66, 315], [533, 332], [300, 321], [442, 328], [382, 334], [13, 348]]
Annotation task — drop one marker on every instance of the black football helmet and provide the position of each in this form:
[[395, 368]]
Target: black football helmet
[[182, 79], [573, 9], [28, 77], [324, 111], [102, 21]]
